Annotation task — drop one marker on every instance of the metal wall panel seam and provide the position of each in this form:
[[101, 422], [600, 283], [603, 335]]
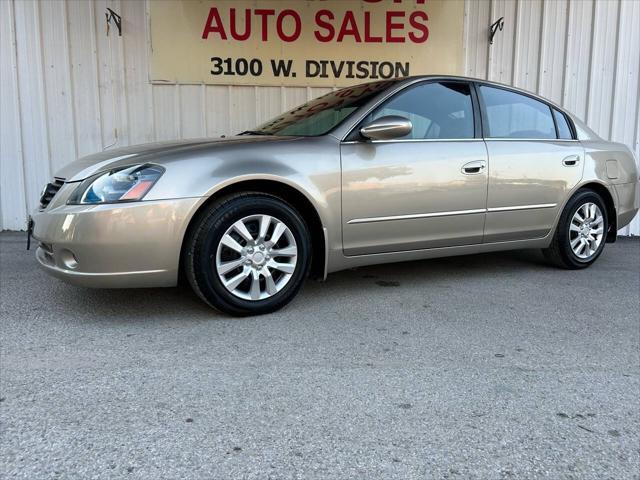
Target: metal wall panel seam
[[94, 48], [587, 110], [488, 57], [177, 103], [565, 52], [67, 50], [542, 35], [256, 113], [43, 93], [152, 117], [465, 34], [123, 104], [616, 71], [17, 108], [515, 60], [203, 111]]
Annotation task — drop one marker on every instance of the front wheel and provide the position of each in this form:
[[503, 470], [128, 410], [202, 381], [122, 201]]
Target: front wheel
[[581, 233], [248, 254]]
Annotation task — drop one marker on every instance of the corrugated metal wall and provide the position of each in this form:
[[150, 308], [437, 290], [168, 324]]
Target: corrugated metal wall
[[68, 89], [582, 54]]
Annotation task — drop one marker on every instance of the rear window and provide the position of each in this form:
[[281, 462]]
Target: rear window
[[512, 115]]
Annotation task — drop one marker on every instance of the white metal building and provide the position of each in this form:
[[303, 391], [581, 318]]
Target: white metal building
[[68, 89]]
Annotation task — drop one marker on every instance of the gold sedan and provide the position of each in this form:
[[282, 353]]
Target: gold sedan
[[389, 171]]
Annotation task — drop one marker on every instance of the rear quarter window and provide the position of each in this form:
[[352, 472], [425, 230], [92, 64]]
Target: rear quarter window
[[564, 130]]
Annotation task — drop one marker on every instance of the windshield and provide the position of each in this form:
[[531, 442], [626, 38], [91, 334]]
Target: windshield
[[321, 115]]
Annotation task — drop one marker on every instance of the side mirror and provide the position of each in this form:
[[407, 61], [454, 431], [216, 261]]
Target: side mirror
[[387, 128]]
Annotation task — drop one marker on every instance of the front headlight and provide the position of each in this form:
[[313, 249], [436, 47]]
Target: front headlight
[[126, 184]]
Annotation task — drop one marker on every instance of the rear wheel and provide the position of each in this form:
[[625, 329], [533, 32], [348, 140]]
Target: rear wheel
[[581, 233], [248, 255]]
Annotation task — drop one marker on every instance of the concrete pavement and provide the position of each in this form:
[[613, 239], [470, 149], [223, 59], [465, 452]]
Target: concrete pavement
[[480, 367]]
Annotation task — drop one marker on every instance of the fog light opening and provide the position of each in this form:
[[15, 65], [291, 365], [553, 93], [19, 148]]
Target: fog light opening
[[68, 259]]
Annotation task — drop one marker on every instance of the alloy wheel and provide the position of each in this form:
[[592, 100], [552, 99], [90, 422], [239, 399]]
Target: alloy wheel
[[256, 257], [586, 230]]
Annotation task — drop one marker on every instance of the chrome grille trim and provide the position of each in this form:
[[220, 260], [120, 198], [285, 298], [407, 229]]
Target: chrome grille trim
[[50, 191]]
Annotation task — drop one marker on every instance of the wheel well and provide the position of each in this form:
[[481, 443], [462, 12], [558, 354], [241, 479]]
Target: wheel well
[[288, 195], [610, 205]]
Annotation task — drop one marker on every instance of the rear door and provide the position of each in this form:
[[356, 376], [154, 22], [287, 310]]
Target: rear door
[[534, 162]]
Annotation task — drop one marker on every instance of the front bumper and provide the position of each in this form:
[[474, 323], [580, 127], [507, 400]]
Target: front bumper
[[113, 246]]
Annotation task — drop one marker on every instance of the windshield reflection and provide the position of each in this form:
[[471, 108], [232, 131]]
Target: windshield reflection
[[321, 115]]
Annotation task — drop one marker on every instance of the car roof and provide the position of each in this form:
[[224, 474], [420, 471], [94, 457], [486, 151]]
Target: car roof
[[414, 78], [400, 82]]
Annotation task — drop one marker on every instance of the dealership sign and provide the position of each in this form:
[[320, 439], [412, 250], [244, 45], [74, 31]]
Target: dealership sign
[[303, 42]]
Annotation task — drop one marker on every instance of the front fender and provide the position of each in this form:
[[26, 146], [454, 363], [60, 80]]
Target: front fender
[[311, 166]]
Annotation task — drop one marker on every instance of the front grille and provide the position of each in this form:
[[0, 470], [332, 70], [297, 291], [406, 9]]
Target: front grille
[[50, 191]]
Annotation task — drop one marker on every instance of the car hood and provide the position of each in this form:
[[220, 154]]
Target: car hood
[[152, 152]]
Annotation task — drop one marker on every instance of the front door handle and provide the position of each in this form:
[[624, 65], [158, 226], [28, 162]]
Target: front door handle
[[571, 160], [474, 168]]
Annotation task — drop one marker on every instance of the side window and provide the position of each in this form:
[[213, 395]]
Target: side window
[[511, 115], [564, 131], [436, 110]]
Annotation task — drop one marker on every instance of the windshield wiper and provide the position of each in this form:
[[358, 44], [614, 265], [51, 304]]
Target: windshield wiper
[[254, 132]]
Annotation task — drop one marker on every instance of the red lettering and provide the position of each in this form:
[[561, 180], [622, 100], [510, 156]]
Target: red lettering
[[210, 27], [400, 26], [247, 25], [421, 27], [265, 14], [319, 106], [367, 30], [298, 25], [391, 26], [349, 27], [344, 93], [324, 24]]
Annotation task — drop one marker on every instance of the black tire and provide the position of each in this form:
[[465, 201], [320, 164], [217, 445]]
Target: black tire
[[202, 242], [559, 251]]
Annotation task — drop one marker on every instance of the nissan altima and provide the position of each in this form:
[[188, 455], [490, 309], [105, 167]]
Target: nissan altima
[[389, 171]]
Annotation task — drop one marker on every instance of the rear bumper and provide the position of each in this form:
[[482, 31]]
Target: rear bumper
[[114, 246], [628, 202]]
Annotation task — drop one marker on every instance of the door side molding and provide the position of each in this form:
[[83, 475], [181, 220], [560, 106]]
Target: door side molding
[[415, 216], [521, 207], [449, 213]]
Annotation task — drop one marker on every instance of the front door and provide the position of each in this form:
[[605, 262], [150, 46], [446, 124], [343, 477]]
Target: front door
[[534, 164], [425, 190]]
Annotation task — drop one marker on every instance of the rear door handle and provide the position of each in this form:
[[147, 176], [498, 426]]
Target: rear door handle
[[474, 168], [571, 160]]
